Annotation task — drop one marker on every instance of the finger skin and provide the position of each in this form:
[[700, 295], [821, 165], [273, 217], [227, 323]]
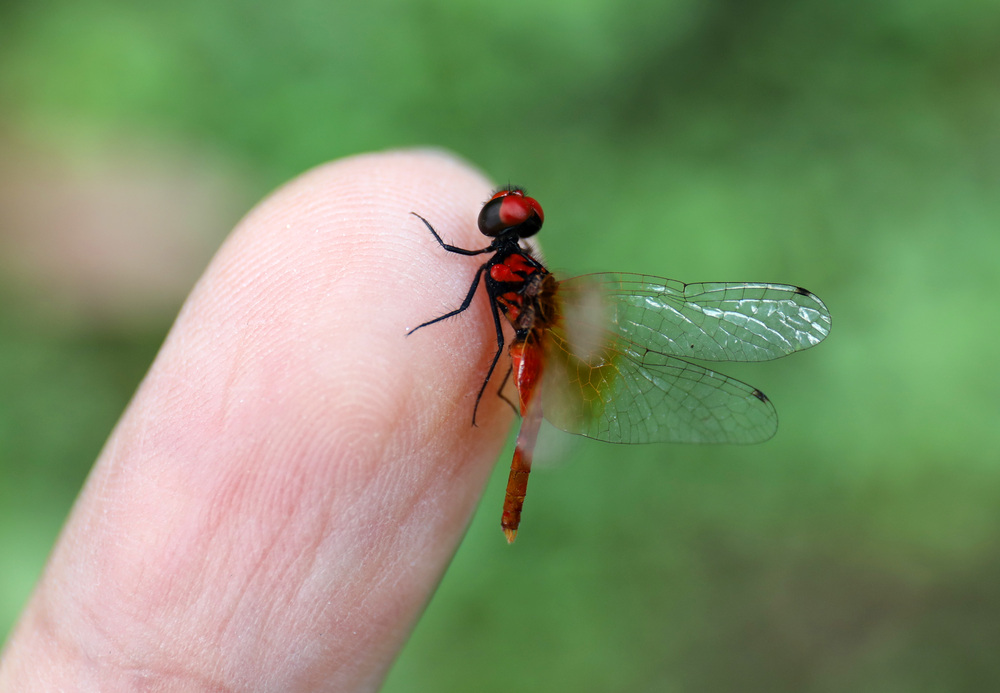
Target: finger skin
[[287, 486]]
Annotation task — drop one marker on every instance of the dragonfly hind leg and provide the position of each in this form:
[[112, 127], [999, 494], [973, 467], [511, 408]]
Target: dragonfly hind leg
[[503, 396], [496, 356]]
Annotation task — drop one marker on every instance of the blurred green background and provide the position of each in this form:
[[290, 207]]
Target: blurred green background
[[852, 148]]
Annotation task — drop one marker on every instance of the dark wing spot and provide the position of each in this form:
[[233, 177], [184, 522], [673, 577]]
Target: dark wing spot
[[800, 290], [760, 395]]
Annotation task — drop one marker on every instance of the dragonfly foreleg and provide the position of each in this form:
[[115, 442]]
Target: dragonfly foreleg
[[453, 248]]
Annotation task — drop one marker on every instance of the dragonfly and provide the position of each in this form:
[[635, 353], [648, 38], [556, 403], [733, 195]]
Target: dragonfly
[[611, 356]]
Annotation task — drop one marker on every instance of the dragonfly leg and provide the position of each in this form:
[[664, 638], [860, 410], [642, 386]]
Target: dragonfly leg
[[453, 248], [465, 304], [500, 391], [496, 356]]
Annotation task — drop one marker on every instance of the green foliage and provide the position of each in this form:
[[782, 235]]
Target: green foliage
[[853, 148]]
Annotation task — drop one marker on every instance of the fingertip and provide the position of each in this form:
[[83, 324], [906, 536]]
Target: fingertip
[[330, 274], [292, 457]]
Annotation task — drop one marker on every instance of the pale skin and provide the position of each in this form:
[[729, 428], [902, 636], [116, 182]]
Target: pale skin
[[281, 497]]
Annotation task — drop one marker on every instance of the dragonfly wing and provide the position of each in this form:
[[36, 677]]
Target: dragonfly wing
[[618, 393], [707, 321]]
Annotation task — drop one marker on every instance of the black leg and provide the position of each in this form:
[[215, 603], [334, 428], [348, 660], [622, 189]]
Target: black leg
[[465, 304], [503, 384], [452, 248], [496, 356]]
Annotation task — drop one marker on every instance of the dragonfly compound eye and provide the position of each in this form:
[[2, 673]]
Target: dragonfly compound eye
[[511, 210]]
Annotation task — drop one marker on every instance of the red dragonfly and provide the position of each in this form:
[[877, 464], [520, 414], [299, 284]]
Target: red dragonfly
[[614, 347]]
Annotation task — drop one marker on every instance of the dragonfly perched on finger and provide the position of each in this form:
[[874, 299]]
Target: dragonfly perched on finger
[[611, 355]]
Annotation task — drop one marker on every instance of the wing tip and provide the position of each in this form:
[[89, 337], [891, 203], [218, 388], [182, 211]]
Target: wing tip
[[816, 299]]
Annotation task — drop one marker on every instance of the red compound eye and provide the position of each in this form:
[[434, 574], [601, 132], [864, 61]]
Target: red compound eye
[[511, 210]]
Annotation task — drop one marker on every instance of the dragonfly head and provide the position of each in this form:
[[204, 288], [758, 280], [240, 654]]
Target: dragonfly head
[[511, 211]]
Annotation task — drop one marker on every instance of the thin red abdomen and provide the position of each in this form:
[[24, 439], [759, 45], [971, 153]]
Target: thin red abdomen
[[527, 365]]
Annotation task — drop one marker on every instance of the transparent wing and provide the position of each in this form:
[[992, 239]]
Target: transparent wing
[[707, 321], [613, 366], [620, 394]]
